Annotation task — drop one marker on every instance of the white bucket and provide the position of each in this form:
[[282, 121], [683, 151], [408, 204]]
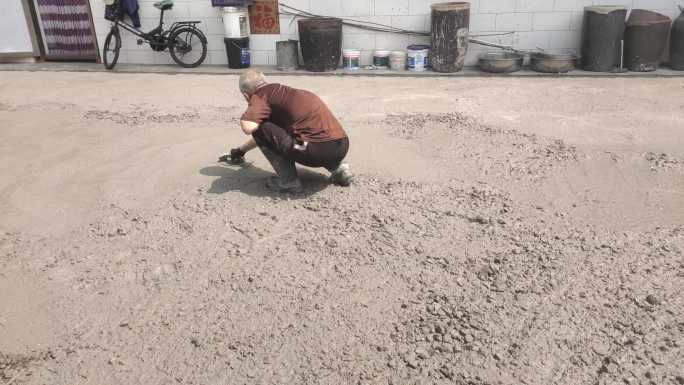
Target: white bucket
[[236, 22], [418, 58], [398, 61], [351, 59]]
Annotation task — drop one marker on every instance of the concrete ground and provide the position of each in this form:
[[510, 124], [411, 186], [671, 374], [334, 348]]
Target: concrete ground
[[499, 231], [468, 72]]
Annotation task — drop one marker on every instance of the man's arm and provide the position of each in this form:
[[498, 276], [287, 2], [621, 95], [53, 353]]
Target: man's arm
[[258, 110], [237, 155], [248, 146], [248, 128]]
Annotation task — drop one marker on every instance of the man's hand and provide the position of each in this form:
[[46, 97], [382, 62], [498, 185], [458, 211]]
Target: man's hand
[[236, 156]]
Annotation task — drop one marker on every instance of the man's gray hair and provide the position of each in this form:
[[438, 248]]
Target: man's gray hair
[[251, 80]]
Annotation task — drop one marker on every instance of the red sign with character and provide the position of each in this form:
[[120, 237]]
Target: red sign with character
[[264, 18]]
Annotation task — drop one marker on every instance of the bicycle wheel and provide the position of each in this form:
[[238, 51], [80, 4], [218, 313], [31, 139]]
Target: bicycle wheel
[[112, 46], [188, 47]]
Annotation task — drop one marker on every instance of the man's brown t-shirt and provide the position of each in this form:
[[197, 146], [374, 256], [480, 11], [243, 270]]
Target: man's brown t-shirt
[[301, 113]]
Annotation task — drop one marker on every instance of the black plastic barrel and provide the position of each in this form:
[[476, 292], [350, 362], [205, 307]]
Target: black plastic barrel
[[645, 40], [677, 43], [450, 23], [321, 42], [603, 32], [238, 52]]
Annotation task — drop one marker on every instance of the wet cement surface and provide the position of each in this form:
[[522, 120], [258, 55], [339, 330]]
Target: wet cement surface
[[497, 232]]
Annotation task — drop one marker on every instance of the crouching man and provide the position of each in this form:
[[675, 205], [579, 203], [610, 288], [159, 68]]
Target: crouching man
[[290, 126]]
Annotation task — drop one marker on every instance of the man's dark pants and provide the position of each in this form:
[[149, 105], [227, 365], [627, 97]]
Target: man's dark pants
[[324, 154]]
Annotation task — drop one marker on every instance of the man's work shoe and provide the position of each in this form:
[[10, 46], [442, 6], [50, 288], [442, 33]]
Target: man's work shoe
[[342, 175], [276, 184]]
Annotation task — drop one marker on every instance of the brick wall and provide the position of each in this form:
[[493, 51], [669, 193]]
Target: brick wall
[[548, 24]]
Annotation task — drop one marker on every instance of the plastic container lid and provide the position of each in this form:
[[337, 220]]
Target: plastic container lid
[[398, 54], [644, 18], [451, 6], [381, 52], [604, 8], [418, 47], [351, 52], [234, 9]]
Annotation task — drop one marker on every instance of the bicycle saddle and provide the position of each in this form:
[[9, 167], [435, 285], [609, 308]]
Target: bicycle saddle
[[164, 4]]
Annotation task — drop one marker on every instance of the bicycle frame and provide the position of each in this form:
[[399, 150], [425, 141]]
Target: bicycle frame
[[178, 40], [158, 29], [144, 35], [130, 28]]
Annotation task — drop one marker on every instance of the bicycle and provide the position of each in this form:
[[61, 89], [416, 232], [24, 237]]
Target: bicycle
[[181, 39]]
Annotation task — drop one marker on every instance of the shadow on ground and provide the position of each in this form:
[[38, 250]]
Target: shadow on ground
[[251, 180]]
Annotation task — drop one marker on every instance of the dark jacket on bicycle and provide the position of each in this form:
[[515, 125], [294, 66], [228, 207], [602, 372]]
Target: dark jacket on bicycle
[[131, 8], [115, 10]]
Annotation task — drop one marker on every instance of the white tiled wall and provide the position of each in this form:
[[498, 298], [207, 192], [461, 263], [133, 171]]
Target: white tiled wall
[[548, 24]]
